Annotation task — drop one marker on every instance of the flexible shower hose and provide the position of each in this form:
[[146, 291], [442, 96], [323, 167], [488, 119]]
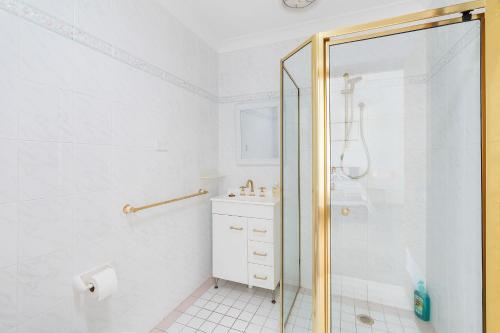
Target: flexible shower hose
[[363, 140]]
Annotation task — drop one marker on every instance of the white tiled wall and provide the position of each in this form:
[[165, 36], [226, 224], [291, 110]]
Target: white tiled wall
[[86, 128], [245, 77], [454, 213]]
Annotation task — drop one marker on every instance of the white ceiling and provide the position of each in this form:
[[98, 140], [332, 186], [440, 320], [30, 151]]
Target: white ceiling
[[234, 24]]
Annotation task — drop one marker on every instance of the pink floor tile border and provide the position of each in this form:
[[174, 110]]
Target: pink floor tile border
[[183, 306]]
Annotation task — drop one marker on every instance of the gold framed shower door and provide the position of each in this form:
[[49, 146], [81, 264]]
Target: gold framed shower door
[[488, 12]]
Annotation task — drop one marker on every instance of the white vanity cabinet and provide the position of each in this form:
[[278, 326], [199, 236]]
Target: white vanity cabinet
[[230, 243], [246, 242]]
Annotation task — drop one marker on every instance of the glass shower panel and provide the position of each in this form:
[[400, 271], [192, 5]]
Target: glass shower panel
[[297, 188], [405, 131], [291, 194]]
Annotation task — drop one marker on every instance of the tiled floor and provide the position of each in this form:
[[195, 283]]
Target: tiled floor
[[299, 320], [387, 319], [236, 308], [231, 308]]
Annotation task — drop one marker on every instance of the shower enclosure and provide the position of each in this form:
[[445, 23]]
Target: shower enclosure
[[296, 185], [388, 185]]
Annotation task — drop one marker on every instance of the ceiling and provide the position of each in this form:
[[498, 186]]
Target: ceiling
[[228, 25]]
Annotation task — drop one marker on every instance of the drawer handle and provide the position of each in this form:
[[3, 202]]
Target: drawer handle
[[236, 228], [260, 254], [259, 277], [260, 231]]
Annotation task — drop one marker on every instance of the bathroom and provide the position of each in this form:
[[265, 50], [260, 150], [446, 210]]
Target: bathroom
[[166, 166]]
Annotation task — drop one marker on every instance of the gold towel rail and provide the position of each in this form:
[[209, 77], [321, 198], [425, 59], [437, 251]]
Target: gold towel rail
[[129, 209]]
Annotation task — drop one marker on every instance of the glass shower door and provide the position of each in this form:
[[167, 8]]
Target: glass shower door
[[405, 157], [291, 193]]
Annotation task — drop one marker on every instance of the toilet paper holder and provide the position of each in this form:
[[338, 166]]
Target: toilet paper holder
[[81, 282]]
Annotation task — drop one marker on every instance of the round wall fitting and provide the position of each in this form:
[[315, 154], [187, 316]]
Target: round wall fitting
[[297, 3], [345, 211]]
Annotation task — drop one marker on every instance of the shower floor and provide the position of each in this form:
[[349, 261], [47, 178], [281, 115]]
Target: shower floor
[[386, 319], [388, 306], [300, 315]]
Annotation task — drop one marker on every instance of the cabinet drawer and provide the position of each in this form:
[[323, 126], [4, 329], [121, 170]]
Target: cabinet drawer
[[261, 276], [243, 209], [260, 230], [230, 248], [261, 253]]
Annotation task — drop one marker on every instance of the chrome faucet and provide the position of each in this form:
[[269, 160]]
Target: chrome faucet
[[249, 184]]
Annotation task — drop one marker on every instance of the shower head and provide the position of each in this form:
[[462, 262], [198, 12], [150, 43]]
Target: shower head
[[354, 80], [350, 82]]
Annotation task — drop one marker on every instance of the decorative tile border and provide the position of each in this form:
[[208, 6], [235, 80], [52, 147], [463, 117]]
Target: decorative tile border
[[263, 96], [71, 32], [470, 36]]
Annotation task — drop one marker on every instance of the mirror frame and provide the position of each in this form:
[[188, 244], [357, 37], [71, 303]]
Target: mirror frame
[[256, 105]]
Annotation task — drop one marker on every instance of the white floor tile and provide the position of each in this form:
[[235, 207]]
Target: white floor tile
[[222, 309], [228, 301], [227, 321], [240, 325], [271, 323], [220, 329], [188, 330], [217, 298], [245, 316], [203, 313], [258, 320], [239, 304], [211, 306], [184, 319], [233, 312], [251, 308], [192, 310], [195, 323], [207, 327], [253, 328], [215, 317]]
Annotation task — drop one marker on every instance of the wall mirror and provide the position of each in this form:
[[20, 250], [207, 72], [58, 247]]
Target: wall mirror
[[258, 133]]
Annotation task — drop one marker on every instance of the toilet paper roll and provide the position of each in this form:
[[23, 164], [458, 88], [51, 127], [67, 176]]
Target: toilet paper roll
[[105, 283]]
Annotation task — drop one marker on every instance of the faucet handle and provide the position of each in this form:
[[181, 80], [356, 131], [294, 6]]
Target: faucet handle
[[242, 190], [262, 191]]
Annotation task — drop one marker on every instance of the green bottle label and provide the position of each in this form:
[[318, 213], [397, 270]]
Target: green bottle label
[[419, 305]]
